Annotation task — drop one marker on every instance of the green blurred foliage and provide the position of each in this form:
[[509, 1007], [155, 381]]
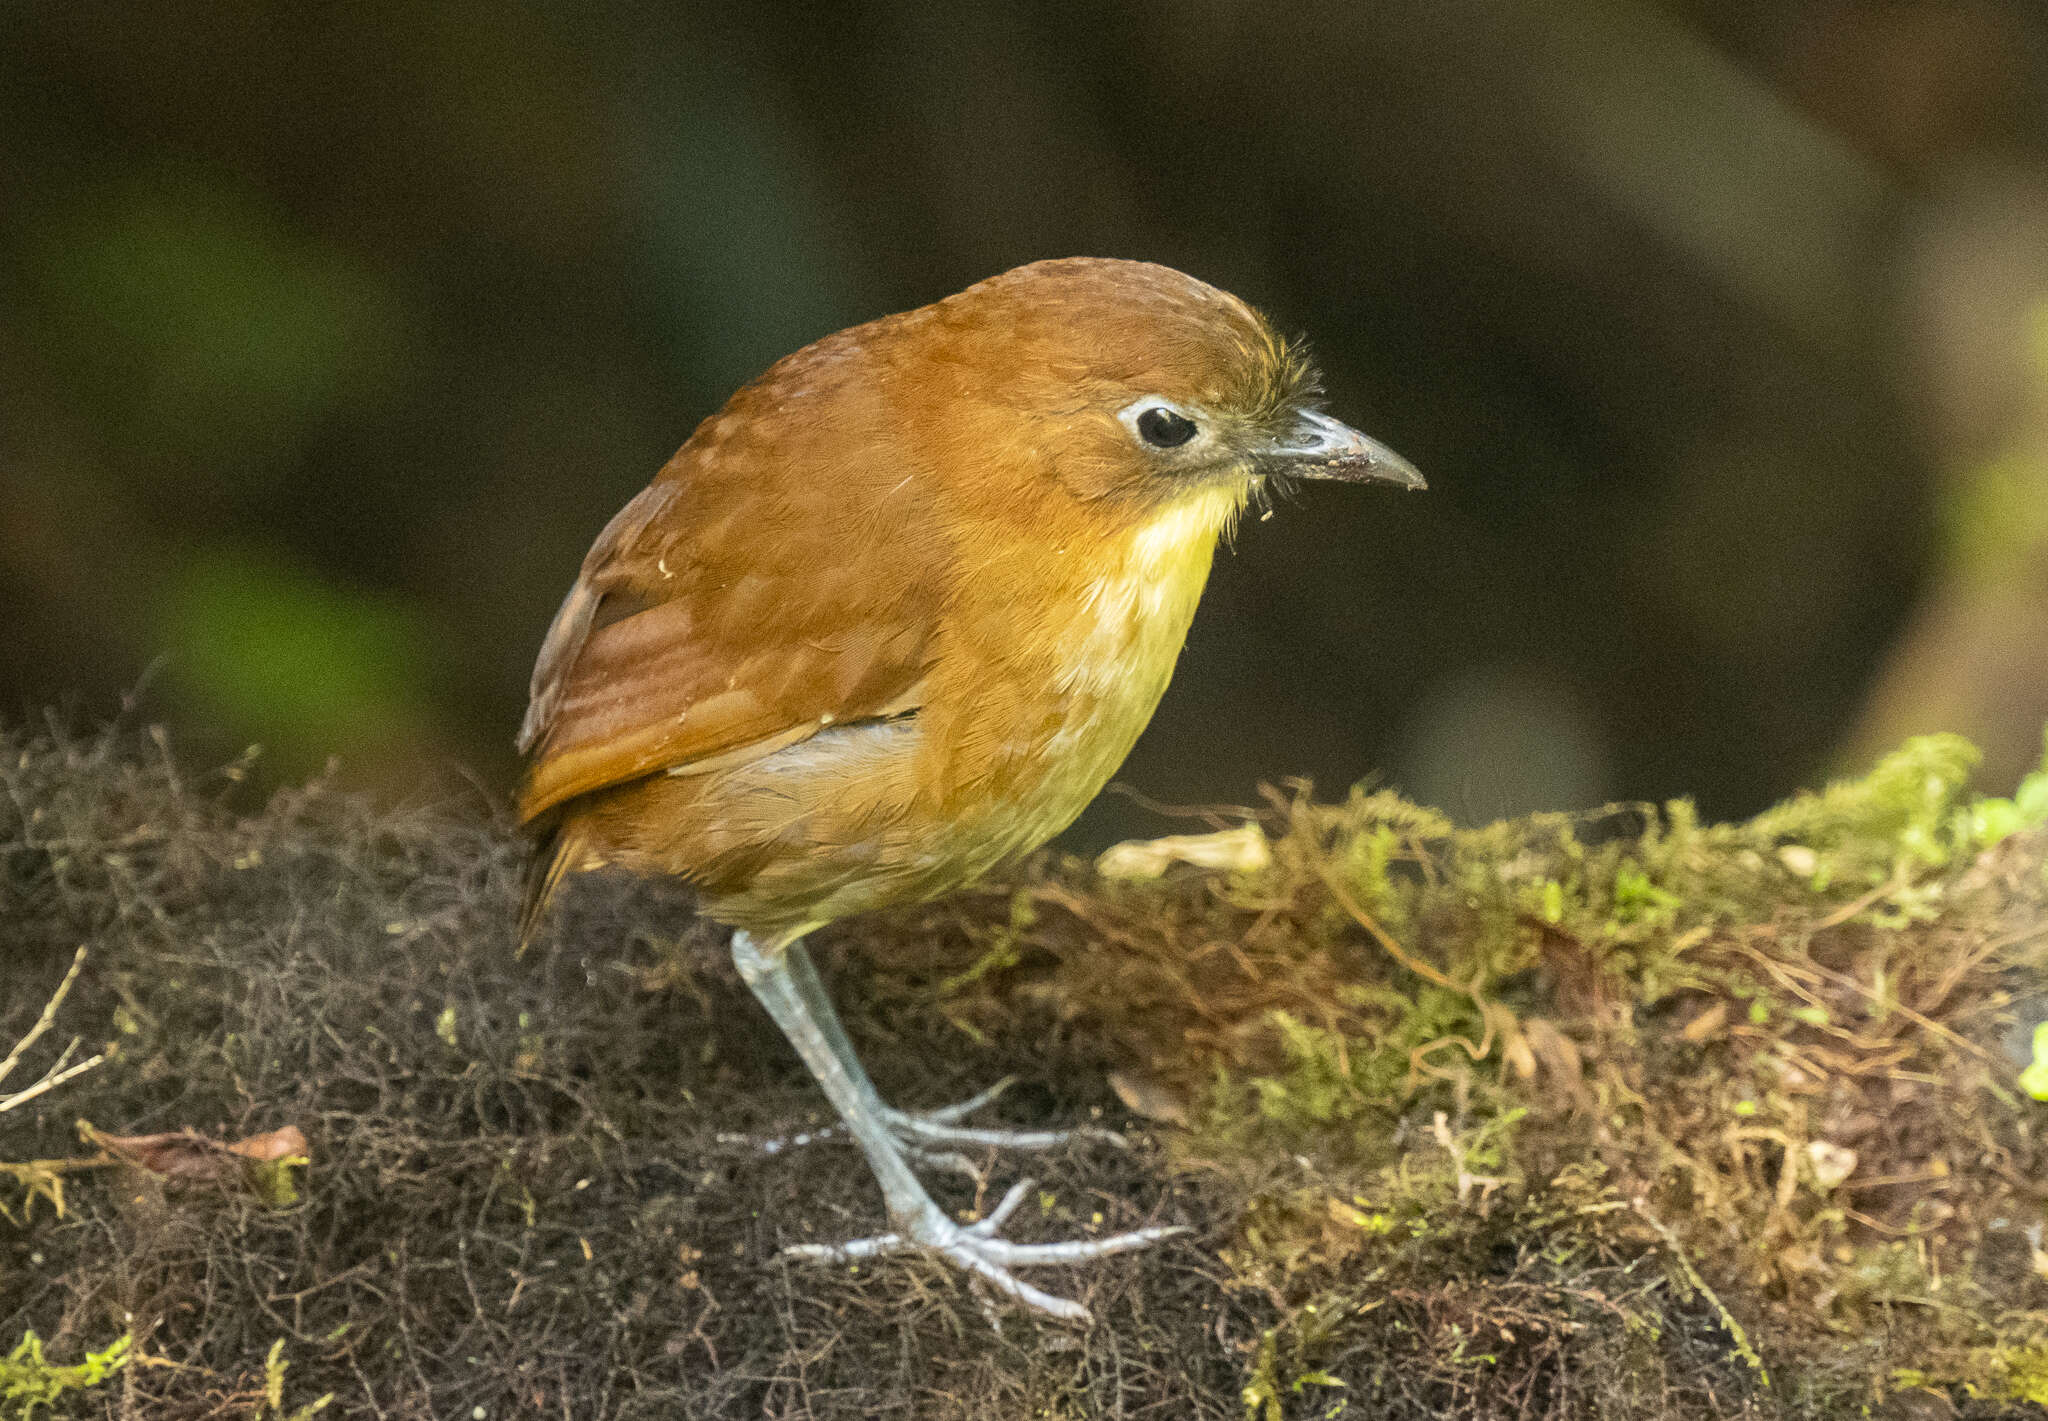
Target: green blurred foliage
[[211, 331], [256, 641]]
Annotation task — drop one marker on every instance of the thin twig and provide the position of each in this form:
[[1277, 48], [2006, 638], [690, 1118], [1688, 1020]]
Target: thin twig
[[51, 1081], [1919, 1018], [49, 1015], [1729, 1324], [1429, 973], [1899, 879]]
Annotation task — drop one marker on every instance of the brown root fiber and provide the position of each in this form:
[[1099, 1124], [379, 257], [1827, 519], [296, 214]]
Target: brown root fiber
[[1614, 1115]]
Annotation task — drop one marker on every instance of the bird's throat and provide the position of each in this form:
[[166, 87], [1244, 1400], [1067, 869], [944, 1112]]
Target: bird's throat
[[1186, 530]]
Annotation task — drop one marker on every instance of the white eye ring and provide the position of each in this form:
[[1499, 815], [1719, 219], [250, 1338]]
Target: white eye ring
[[1160, 423]]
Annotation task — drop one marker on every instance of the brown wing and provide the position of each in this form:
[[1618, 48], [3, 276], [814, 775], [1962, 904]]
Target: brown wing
[[717, 619]]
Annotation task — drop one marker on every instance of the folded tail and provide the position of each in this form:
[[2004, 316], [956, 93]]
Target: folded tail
[[556, 852]]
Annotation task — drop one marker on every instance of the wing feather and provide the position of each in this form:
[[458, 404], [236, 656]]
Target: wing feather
[[712, 624]]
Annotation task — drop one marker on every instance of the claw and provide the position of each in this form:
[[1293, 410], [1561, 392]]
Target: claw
[[976, 1248]]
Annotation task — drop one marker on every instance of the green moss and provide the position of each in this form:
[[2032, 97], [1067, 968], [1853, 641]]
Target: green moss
[[1898, 818], [2014, 1370], [274, 1368], [29, 1380], [1987, 822], [1286, 1361], [1748, 1024], [2025, 1372]]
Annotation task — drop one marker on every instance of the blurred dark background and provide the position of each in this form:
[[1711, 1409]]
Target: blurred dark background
[[330, 334]]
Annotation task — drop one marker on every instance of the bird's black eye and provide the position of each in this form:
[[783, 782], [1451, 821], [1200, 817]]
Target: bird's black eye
[[1164, 429]]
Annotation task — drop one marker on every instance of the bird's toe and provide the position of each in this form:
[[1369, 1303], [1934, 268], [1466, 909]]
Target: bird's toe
[[923, 1129], [978, 1249]]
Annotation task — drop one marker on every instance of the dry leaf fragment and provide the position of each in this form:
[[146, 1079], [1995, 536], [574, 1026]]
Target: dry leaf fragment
[[1240, 850], [1147, 1095], [260, 1163]]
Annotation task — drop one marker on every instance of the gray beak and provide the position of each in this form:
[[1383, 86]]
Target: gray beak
[[1319, 447]]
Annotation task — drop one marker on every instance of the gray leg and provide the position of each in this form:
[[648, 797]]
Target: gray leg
[[923, 1130], [804, 974], [920, 1225]]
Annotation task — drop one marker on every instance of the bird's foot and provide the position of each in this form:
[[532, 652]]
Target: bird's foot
[[936, 1138], [976, 1248], [922, 1130]]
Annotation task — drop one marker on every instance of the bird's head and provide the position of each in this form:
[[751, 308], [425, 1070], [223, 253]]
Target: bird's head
[[1130, 386]]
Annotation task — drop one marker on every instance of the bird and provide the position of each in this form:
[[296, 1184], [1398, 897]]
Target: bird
[[891, 617]]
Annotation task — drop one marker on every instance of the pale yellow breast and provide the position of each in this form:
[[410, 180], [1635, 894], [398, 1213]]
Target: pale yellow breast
[[1112, 657]]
